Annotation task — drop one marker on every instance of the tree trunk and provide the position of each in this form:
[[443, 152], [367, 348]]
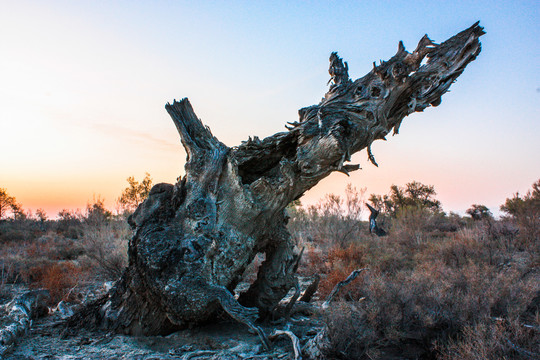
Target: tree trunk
[[194, 239]]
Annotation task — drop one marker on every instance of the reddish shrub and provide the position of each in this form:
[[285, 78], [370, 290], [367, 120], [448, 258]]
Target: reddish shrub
[[57, 277]]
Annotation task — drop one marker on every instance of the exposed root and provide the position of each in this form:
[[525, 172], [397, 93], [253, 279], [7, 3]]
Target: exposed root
[[240, 313], [294, 339]]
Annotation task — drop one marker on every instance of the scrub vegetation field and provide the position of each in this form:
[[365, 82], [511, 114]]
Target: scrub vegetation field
[[438, 286]]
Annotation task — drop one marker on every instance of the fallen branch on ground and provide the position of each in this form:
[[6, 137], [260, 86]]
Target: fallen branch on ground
[[20, 312]]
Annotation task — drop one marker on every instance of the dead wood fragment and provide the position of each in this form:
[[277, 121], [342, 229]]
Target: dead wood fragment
[[317, 347], [291, 303], [341, 284], [311, 289], [294, 339], [20, 313]]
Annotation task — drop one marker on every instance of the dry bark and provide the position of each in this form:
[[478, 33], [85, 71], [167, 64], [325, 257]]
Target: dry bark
[[194, 239]]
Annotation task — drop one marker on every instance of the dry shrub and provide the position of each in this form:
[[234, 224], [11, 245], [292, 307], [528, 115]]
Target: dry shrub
[[349, 333], [334, 220], [424, 307], [313, 262], [105, 247], [49, 259], [57, 277], [425, 295], [500, 339], [410, 224], [26, 230], [351, 255], [10, 262], [340, 262], [19, 260], [54, 247]]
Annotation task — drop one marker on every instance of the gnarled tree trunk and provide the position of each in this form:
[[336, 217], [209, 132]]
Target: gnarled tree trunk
[[194, 239]]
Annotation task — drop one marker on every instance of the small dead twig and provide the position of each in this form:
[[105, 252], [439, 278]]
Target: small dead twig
[[339, 285]]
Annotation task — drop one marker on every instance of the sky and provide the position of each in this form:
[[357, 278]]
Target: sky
[[83, 86]]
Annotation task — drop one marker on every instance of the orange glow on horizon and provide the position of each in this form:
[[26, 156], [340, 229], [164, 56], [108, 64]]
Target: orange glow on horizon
[[83, 89]]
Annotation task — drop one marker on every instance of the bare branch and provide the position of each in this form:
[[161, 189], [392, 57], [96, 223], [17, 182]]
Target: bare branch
[[341, 284]]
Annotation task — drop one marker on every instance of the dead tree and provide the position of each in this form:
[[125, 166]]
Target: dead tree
[[194, 239]]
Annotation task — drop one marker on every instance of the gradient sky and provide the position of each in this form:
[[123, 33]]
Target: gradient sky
[[83, 86]]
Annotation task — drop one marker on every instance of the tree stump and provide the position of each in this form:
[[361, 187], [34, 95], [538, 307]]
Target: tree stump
[[194, 239]]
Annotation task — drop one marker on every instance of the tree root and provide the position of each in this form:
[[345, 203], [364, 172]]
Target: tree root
[[294, 339], [240, 313]]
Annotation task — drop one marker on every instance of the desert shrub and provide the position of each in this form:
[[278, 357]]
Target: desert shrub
[[134, 194], [57, 277], [438, 287], [525, 213], [334, 220], [23, 261], [96, 213], [8, 205], [12, 260], [479, 212], [105, 247], [339, 263], [500, 339], [20, 230], [313, 262], [428, 306], [411, 223], [68, 224], [54, 247], [412, 195], [412, 212]]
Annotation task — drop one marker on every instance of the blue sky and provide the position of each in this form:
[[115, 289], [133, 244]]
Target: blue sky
[[83, 85]]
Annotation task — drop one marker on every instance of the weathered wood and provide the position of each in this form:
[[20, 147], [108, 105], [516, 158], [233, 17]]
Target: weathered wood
[[19, 313], [294, 340], [341, 284], [194, 239], [311, 289]]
